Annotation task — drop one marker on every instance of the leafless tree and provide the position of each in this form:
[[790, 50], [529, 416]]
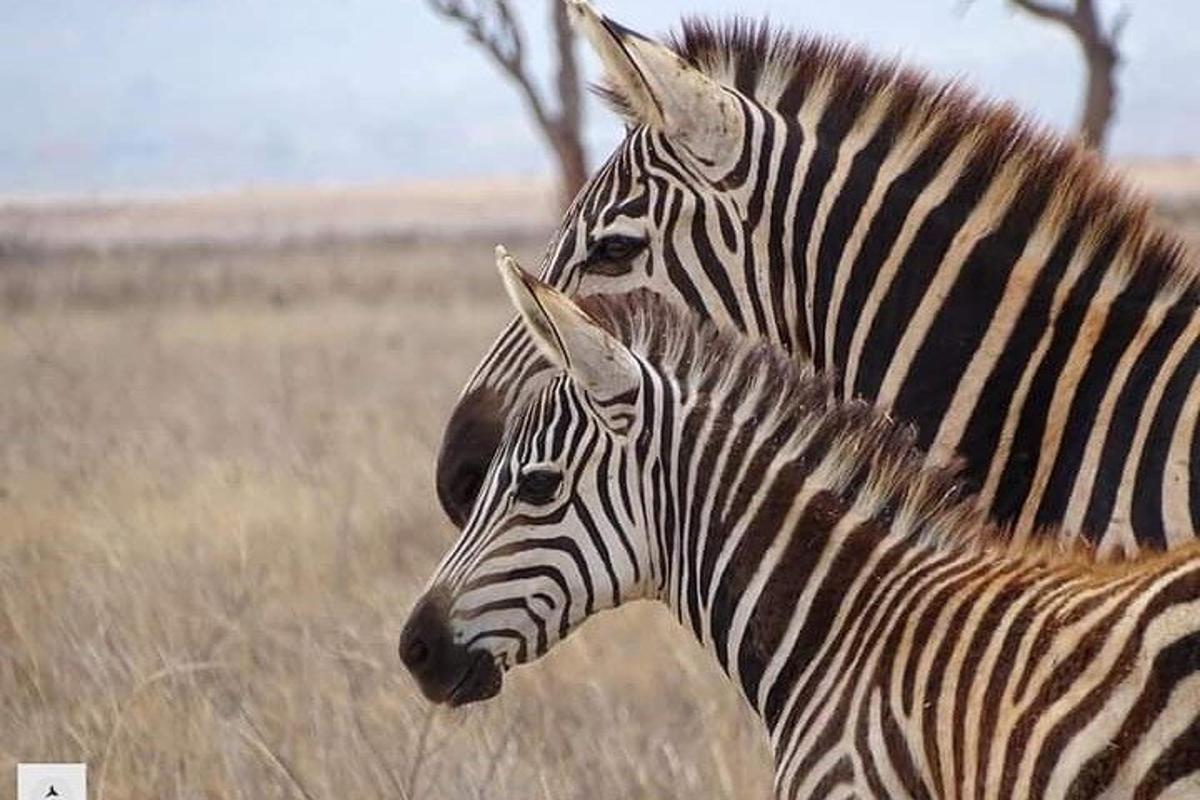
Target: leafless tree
[[1101, 55], [493, 26]]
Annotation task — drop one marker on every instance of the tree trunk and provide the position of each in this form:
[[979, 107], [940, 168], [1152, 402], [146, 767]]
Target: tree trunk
[[1101, 93], [496, 30], [566, 137], [572, 164], [1100, 55]]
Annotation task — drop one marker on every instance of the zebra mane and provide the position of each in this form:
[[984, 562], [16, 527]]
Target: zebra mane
[[779, 69], [873, 464]]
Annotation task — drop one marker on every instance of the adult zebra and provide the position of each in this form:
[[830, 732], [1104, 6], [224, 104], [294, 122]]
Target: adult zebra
[[892, 646], [976, 277]]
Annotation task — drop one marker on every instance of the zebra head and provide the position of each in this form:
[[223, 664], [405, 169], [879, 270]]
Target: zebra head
[[549, 541], [674, 193]]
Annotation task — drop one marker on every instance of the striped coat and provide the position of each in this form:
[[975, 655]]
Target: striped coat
[[932, 252], [892, 643]]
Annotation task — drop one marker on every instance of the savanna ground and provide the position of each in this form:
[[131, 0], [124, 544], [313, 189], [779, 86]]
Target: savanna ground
[[216, 508]]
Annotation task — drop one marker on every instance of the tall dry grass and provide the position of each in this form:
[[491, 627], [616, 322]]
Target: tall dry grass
[[216, 509]]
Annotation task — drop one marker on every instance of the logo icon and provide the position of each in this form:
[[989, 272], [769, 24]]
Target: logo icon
[[51, 781]]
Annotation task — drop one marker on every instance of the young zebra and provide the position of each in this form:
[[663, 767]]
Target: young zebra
[[940, 258], [893, 647]]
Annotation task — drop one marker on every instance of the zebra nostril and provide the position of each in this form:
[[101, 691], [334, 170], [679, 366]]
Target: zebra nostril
[[427, 648], [415, 654]]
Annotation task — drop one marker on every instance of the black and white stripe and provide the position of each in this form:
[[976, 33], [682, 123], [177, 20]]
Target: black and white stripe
[[974, 276], [892, 643]]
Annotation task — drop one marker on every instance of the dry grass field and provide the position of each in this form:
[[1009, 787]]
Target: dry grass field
[[216, 508]]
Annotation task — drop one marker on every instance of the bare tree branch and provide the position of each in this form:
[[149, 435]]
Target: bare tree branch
[[492, 25], [1120, 20], [1047, 12], [1100, 52], [501, 39]]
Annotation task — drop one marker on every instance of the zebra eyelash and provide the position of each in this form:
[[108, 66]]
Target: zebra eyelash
[[613, 255], [539, 486]]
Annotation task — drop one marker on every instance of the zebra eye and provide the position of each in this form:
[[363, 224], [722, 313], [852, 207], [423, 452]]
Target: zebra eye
[[610, 255], [538, 486]]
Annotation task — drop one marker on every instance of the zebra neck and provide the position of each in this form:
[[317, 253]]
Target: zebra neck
[[951, 287], [830, 583], [759, 568]]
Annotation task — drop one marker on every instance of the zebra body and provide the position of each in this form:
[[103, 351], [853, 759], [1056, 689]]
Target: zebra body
[[892, 643], [937, 256]]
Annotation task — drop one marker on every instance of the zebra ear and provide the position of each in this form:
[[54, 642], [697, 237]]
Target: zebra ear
[[566, 335], [653, 86]]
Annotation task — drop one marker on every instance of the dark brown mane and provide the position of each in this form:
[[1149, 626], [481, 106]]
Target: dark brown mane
[[681, 343], [779, 69], [877, 465]]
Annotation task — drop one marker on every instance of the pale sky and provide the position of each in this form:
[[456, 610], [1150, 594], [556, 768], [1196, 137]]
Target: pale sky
[[128, 96]]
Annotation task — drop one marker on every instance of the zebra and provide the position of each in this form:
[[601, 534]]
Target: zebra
[[892, 644], [942, 257]]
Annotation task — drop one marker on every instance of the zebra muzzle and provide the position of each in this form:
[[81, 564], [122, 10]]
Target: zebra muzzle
[[446, 670]]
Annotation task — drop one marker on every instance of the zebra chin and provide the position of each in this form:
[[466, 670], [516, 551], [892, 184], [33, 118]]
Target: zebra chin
[[482, 681], [445, 670]]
